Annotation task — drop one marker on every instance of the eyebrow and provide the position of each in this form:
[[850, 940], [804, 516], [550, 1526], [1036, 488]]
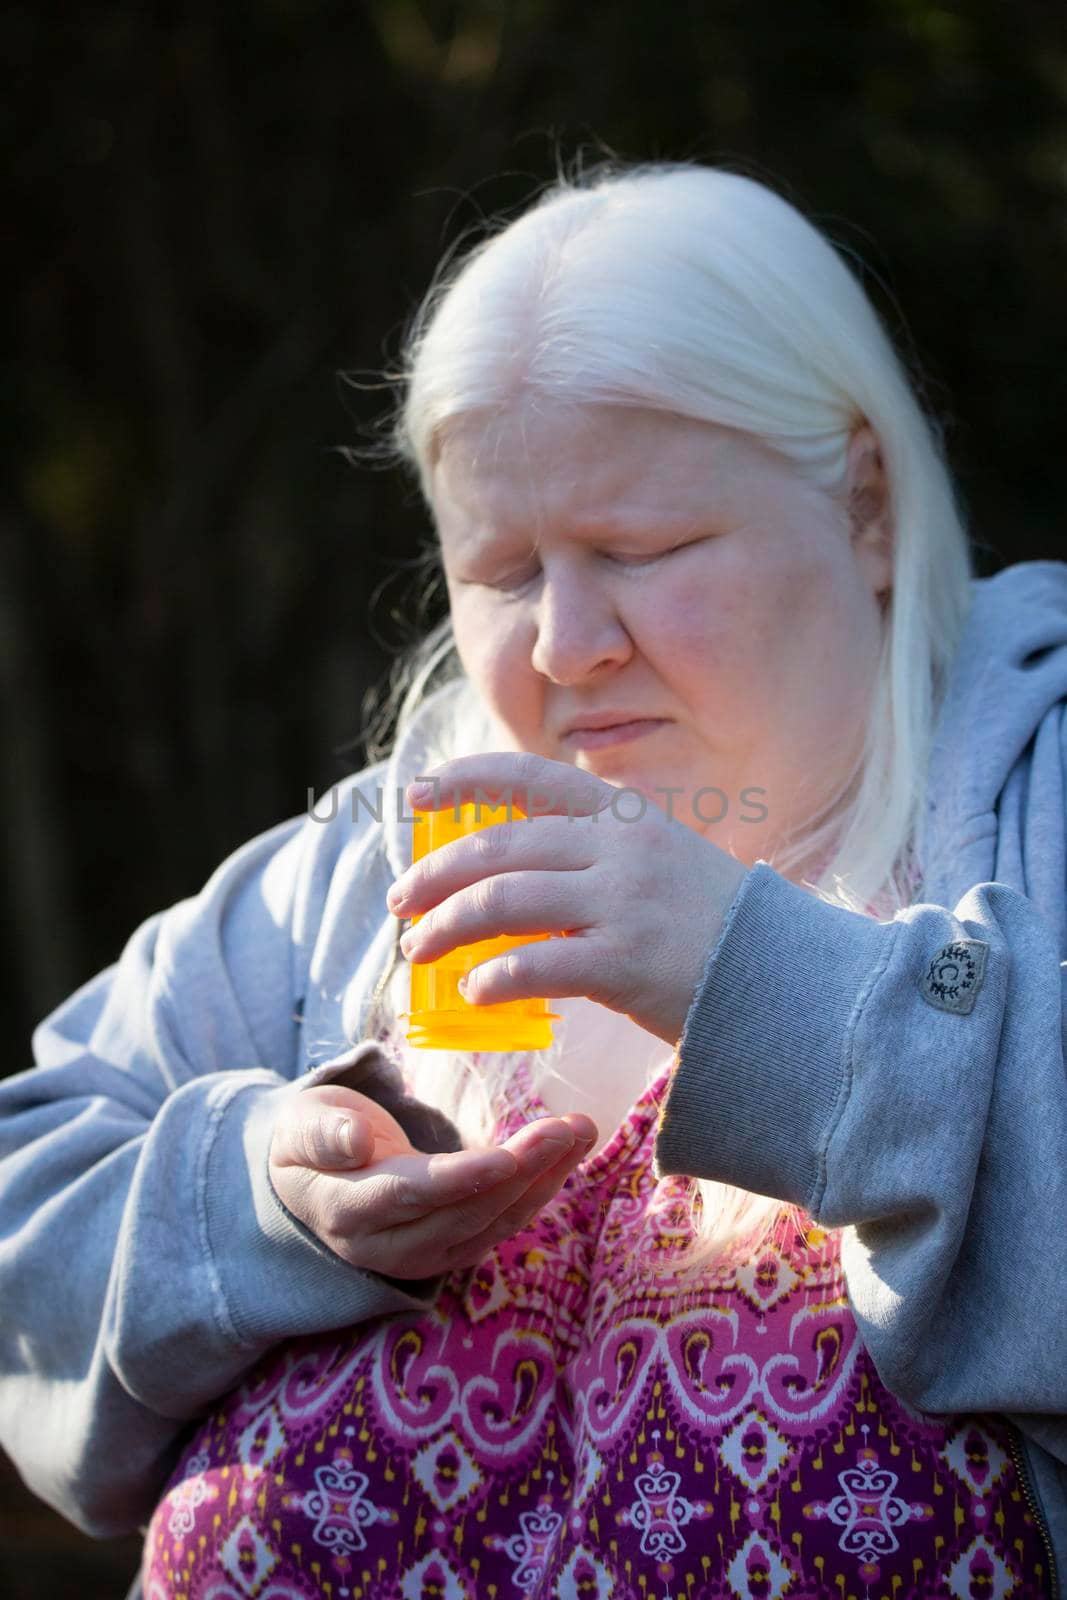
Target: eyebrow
[[592, 529], [600, 528]]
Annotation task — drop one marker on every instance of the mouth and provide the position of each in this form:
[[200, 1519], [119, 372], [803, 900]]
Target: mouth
[[616, 733]]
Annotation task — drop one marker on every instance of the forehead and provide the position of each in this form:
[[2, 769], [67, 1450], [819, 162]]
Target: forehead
[[591, 465]]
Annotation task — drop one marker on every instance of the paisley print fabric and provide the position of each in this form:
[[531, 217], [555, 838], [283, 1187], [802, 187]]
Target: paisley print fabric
[[569, 1420]]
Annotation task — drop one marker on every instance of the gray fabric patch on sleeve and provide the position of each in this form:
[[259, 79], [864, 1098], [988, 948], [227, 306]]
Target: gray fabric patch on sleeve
[[952, 980]]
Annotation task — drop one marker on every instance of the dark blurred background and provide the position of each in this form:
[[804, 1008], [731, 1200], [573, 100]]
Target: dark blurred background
[[214, 212]]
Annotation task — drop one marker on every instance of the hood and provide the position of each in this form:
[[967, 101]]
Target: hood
[[995, 804]]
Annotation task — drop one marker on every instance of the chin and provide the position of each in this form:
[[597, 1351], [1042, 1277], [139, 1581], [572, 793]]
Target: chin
[[615, 773]]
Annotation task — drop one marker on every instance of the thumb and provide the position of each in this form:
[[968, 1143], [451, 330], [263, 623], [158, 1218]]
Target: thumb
[[330, 1133]]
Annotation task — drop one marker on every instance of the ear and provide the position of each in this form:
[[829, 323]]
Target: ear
[[866, 493]]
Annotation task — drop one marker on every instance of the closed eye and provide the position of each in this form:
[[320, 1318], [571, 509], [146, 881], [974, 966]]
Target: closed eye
[[513, 583], [644, 561], [509, 583]]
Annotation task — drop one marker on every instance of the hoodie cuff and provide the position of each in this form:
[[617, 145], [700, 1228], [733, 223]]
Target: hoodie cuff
[[277, 1279], [763, 1070]]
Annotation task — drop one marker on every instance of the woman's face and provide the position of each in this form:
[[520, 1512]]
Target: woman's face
[[609, 561]]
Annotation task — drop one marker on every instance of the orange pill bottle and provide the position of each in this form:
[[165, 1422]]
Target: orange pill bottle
[[440, 1018]]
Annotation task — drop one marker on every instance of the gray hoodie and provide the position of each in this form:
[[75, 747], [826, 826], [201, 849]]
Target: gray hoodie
[[904, 1080]]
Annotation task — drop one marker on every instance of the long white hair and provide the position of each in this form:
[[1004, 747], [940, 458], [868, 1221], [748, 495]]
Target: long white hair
[[703, 293]]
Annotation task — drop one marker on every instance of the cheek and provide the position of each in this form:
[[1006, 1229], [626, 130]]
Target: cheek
[[706, 625], [473, 631], [491, 648]]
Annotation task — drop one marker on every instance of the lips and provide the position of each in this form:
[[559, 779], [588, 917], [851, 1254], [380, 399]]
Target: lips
[[594, 738], [595, 720]]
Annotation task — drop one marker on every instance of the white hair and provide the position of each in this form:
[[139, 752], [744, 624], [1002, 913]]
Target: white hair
[[703, 293]]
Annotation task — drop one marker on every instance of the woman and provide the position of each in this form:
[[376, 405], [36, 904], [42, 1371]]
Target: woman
[[748, 1284]]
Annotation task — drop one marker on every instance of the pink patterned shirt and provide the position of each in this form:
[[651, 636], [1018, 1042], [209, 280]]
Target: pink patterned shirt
[[565, 1422]]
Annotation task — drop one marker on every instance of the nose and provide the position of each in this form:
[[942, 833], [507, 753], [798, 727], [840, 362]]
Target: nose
[[579, 631]]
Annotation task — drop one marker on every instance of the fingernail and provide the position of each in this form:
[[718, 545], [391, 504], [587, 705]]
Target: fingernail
[[418, 792], [550, 1149], [344, 1136]]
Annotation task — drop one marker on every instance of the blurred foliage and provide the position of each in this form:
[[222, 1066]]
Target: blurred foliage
[[215, 211]]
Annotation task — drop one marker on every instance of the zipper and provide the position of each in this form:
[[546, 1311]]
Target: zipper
[[1022, 1471]]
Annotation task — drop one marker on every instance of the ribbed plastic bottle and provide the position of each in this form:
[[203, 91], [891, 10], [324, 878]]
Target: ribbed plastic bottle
[[440, 1018]]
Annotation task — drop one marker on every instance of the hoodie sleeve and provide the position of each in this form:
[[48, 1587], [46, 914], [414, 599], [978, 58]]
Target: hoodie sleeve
[[904, 1081], [145, 1260]]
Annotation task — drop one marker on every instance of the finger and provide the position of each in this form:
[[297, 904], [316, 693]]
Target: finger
[[545, 1184], [432, 1182], [509, 903], [539, 1148], [412, 1212], [323, 1135], [563, 843], [535, 783], [525, 1140], [411, 1186], [494, 1179], [520, 1214], [548, 968]]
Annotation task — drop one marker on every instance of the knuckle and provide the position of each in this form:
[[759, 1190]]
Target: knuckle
[[529, 768], [313, 1139], [510, 964], [431, 868], [494, 842], [491, 896], [467, 1220], [403, 1193], [618, 988], [518, 964]]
